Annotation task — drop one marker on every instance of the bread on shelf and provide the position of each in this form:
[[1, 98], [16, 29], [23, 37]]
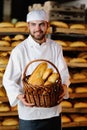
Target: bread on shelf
[[78, 26]]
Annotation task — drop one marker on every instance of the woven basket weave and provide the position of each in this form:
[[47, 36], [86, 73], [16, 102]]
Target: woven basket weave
[[42, 96]]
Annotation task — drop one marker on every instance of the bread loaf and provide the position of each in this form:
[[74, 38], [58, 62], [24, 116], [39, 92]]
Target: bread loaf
[[21, 24], [80, 105], [38, 72], [53, 77], [59, 24], [4, 107], [77, 26], [80, 119], [10, 121], [81, 89], [66, 104], [78, 44], [47, 73], [4, 43], [6, 25], [65, 119]]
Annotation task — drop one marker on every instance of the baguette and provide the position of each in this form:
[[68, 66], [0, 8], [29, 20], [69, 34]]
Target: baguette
[[77, 26], [53, 77], [38, 72], [59, 24], [47, 73]]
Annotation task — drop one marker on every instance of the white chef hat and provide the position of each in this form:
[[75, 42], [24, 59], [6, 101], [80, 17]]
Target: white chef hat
[[37, 15]]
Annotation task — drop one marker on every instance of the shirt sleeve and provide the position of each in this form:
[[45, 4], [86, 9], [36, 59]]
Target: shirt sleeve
[[11, 78]]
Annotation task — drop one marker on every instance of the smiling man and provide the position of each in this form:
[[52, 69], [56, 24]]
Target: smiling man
[[36, 46]]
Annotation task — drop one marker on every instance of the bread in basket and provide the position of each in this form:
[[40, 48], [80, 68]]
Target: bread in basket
[[43, 86]]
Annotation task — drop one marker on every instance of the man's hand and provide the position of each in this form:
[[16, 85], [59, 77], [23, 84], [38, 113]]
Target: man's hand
[[21, 97], [61, 96]]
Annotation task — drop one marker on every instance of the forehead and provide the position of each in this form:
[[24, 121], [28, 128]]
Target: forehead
[[38, 21]]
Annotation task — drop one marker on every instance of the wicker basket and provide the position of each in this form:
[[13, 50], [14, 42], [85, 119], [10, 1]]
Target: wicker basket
[[42, 96]]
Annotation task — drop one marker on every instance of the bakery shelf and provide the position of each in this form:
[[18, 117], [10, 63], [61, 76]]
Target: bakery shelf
[[74, 124], [74, 48], [78, 95], [74, 81], [9, 113], [74, 110], [5, 48], [13, 31], [70, 31], [83, 65], [8, 127]]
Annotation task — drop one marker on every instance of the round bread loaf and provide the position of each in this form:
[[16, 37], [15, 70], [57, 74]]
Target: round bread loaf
[[14, 44], [4, 43], [65, 119], [18, 37], [4, 107], [3, 60], [10, 121], [6, 38], [66, 104]]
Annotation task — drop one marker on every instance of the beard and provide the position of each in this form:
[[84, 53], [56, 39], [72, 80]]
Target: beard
[[39, 36]]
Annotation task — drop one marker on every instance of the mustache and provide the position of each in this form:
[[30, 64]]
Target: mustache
[[38, 31]]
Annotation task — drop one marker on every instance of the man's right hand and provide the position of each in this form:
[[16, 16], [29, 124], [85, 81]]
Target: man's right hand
[[21, 97]]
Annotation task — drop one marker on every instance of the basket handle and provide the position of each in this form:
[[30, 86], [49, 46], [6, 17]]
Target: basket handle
[[38, 60]]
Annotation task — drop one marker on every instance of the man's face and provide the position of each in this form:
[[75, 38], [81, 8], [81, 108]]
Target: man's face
[[38, 29]]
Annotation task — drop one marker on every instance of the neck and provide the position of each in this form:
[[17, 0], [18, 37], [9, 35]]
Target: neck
[[40, 41]]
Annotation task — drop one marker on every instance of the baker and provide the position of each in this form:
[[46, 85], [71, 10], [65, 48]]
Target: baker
[[35, 46]]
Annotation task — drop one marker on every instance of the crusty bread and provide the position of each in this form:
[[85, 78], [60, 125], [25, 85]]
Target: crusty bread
[[65, 119], [78, 60], [4, 60], [80, 119], [62, 43], [78, 44], [18, 37], [77, 26], [53, 77], [4, 43], [81, 89], [59, 24], [4, 107], [10, 121], [80, 105], [47, 73], [66, 104], [38, 72], [6, 38], [79, 76], [6, 25], [21, 24], [15, 43]]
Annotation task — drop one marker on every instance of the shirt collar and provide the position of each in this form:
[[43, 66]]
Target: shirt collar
[[34, 43]]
